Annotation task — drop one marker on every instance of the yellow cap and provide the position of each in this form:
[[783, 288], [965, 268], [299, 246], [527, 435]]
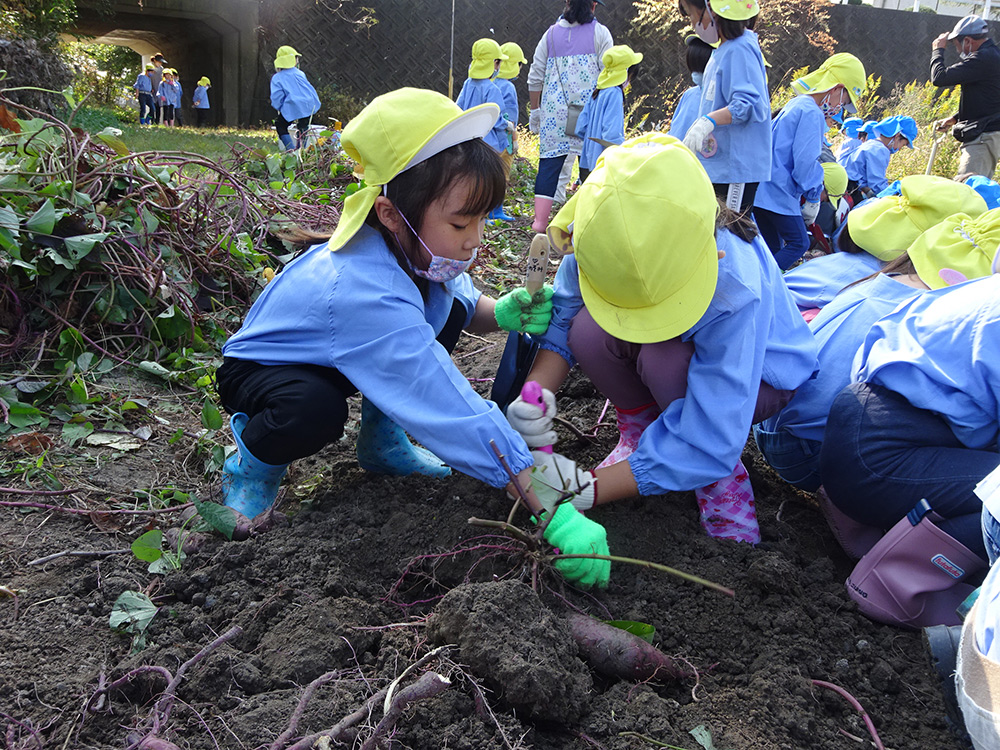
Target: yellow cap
[[735, 10], [843, 68], [887, 226], [617, 60], [834, 180], [286, 57], [511, 67], [203, 81], [643, 230], [956, 249], [397, 131], [485, 53]]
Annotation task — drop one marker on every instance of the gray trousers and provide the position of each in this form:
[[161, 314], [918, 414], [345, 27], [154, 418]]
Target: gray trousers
[[980, 156]]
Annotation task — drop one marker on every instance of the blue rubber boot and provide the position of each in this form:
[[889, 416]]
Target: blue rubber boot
[[498, 214], [249, 485], [287, 142], [384, 448]]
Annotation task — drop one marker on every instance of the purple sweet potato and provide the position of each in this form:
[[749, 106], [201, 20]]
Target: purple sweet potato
[[613, 652]]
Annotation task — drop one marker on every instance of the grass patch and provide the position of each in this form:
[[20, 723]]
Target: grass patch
[[214, 144]]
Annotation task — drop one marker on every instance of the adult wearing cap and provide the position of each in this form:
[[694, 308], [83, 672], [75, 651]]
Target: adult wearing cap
[[676, 312], [939, 257], [143, 88], [563, 74], [156, 77], [200, 101], [867, 166], [976, 125], [292, 96], [732, 135], [789, 202], [376, 308], [876, 232]]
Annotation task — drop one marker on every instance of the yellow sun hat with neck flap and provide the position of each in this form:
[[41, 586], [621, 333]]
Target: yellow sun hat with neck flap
[[957, 249], [511, 67], [885, 227], [643, 230], [843, 68], [485, 53], [617, 60], [286, 57], [397, 131]]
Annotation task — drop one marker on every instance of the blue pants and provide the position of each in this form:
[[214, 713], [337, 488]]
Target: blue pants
[[147, 107], [991, 535], [795, 459], [547, 179], [881, 456], [786, 236]]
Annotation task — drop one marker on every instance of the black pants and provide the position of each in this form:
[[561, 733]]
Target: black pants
[[295, 410], [202, 116], [281, 125]]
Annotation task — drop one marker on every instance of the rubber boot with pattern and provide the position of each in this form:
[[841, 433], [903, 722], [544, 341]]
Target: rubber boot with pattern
[[384, 448], [249, 485], [631, 424], [727, 508]]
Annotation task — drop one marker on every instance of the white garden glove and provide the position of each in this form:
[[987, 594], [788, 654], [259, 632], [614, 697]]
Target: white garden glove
[[535, 120], [694, 139], [553, 475], [534, 425], [810, 211]]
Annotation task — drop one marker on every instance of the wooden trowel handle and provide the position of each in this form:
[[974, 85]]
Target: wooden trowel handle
[[538, 259]]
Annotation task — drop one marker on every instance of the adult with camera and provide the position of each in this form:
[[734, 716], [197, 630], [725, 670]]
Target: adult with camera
[[976, 125]]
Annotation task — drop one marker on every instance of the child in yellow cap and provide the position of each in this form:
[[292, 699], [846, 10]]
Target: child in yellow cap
[[602, 121], [479, 88], [202, 106], [377, 308], [292, 96], [509, 70], [143, 88], [672, 306]]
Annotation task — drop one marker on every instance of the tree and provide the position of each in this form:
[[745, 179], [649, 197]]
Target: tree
[[41, 20]]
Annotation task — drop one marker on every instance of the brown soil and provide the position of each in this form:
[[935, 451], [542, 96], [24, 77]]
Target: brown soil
[[317, 596]]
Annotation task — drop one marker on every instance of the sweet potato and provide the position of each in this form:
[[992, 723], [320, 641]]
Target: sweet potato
[[613, 652]]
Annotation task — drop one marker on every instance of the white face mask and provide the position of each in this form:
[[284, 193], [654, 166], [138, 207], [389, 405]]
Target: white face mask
[[707, 33], [964, 54]]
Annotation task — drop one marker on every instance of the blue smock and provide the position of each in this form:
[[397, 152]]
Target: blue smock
[[847, 148], [169, 94], [939, 351], [292, 95], [476, 91], [735, 78], [686, 112], [867, 165], [816, 282], [796, 144], [508, 93], [750, 333], [839, 330], [143, 84], [356, 310], [200, 97], [604, 118]]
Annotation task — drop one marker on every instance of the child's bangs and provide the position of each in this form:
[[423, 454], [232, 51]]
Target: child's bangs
[[484, 171]]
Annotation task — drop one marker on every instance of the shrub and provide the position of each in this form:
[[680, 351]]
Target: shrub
[[27, 64]]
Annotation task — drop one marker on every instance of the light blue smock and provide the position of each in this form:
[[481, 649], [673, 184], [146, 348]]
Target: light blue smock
[[796, 145], [816, 282], [292, 94], [686, 112], [941, 352], [847, 148], [169, 94], [735, 78], [143, 84], [476, 91], [750, 333], [357, 311], [868, 164], [508, 92], [200, 98], [839, 330], [604, 118]]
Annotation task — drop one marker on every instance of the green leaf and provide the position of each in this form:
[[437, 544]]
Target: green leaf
[[219, 517], [639, 629], [9, 220], [24, 415], [171, 323], [132, 612], [210, 416], [148, 547], [43, 220], [703, 737], [73, 432], [81, 245], [116, 143], [70, 99]]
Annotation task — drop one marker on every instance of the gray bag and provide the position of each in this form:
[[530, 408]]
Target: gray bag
[[572, 115]]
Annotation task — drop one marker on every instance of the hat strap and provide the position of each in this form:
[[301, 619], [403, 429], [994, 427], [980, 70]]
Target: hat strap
[[960, 229]]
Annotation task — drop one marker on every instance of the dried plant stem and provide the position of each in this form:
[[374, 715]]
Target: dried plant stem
[[647, 564], [869, 724]]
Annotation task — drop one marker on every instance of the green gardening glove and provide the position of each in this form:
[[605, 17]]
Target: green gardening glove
[[575, 534], [520, 311]]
